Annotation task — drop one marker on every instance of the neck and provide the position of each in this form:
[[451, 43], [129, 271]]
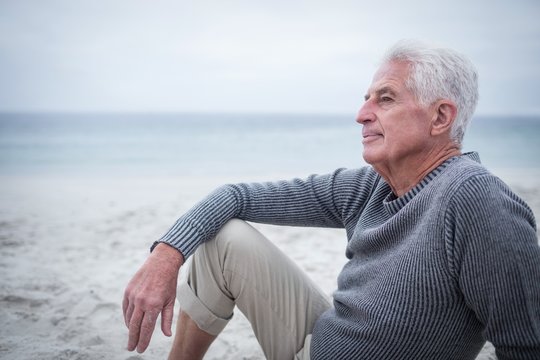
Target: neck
[[408, 173]]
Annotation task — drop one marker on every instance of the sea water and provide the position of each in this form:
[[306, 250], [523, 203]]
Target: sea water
[[223, 144]]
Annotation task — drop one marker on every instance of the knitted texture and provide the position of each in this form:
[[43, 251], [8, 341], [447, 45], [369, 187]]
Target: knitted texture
[[431, 274]]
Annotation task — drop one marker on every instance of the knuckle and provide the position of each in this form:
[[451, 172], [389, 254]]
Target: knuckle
[[147, 327], [147, 302], [134, 326]]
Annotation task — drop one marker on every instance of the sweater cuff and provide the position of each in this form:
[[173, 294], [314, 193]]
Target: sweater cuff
[[183, 237]]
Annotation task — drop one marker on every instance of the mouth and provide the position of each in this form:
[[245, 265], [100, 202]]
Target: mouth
[[369, 136]]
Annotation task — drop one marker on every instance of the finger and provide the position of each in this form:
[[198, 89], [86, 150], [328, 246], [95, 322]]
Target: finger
[[147, 328], [134, 329], [167, 318], [125, 305], [129, 314]]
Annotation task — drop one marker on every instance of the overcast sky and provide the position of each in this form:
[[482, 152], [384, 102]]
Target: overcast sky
[[250, 56]]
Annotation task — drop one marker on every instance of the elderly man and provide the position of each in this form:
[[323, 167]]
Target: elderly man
[[442, 255]]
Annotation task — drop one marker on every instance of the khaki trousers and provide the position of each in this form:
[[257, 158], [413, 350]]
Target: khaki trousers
[[240, 267]]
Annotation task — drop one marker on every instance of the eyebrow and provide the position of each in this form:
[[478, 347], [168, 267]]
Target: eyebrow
[[379, 92]]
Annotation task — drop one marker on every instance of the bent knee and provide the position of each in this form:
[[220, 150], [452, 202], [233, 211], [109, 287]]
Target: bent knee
[[240, 238], [236, 242], [235, 232], [234, 227]]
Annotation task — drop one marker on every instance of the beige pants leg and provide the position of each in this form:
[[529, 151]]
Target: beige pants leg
[[241, 267]]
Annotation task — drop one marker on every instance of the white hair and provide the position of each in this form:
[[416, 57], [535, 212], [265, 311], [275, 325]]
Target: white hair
[[439, 73]]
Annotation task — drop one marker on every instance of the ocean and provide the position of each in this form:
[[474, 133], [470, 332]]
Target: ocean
[[104, 145]]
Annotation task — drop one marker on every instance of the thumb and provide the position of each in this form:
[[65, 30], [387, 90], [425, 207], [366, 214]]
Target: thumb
[[166, 319]]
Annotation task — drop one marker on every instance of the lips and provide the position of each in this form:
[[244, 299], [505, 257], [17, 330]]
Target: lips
[[369, 135]]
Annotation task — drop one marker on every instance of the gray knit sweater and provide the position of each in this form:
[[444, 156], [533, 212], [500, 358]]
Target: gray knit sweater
[[431, 274]]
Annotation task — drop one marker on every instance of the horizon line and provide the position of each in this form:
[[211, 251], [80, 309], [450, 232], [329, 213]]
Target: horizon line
[[228, 113]]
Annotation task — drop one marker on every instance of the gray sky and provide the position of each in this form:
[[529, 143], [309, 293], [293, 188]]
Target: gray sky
[[250, 56]]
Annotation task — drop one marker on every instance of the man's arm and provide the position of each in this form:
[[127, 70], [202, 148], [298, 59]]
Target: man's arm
[[326, 200], [331, 200], [498, 262], [151, 291]]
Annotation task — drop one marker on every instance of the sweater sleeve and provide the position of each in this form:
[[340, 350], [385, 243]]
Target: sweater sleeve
[[319, 201], [497, 259]]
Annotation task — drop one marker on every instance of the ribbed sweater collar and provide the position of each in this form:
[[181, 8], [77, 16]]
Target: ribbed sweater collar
[[393, 204]]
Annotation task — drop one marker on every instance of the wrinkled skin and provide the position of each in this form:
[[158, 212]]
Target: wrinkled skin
[[152, 291]]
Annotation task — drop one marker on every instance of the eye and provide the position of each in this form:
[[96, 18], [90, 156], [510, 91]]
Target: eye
[[385, 99]]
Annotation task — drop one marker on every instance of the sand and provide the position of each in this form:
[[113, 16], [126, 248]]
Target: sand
[[68, 247]]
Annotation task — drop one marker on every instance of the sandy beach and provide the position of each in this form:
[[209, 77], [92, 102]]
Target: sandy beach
[[68, 247]]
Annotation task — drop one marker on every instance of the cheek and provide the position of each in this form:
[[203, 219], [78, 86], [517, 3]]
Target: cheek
[[408, 133], [415, 123]]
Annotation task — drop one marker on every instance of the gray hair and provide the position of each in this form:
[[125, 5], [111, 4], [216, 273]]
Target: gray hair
[[439, 73]]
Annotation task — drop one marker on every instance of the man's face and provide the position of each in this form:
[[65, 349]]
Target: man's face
[[395, 127]]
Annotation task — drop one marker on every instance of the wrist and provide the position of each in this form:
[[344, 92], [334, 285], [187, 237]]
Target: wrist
[[169, 254]]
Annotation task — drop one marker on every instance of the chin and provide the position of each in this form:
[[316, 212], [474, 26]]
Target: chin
[[370, 157]]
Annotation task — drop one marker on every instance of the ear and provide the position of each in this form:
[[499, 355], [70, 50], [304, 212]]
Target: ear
[[443, 117]]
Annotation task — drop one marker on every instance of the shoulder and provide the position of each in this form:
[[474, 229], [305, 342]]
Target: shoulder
[[464, 168], [475, 194], [483, 216], [465, 178], [472, 181]]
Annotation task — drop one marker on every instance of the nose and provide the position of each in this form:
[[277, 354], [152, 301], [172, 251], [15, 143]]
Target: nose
[[365, 114]]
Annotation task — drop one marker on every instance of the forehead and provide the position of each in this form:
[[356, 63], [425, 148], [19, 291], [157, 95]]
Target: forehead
[[391, 75]]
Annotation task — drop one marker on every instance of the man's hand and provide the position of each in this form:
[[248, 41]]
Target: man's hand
[[152, 291]]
